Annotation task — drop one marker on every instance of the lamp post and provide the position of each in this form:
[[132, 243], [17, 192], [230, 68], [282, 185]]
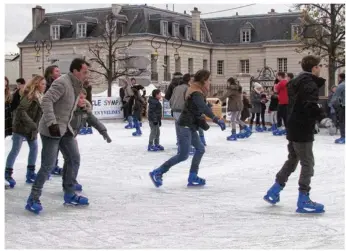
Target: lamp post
[[176, 44], [42, 45]]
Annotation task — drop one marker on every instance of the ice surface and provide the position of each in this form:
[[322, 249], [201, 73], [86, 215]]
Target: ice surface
[[127, 211]]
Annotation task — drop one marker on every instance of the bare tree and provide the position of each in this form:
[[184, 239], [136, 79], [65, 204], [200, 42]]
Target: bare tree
[[323, 33], [109, 53]]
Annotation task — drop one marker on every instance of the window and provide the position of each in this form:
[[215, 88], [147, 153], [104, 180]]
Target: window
[[175, 30], [203, 36], [55, 32], [178, 65], [205, 64], [219, 66], [296, 31], [81, 30], [188, 32], [282, 64], [190, 66], [245, 36], [164, 28], [245, 66]]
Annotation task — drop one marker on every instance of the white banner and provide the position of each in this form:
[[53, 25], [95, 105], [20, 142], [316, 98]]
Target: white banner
[[107, 108]]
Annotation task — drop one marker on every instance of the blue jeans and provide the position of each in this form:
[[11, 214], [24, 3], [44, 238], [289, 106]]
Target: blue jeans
[[200, 132], [50, 147], [17, 145], [186, 138]]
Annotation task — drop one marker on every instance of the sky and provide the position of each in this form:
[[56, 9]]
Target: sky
[[18, 22]]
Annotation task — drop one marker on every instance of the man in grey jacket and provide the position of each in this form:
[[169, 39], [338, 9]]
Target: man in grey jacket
[[58, 106]]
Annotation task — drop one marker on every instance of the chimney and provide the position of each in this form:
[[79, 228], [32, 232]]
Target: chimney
[[272, 11], [236, 13], [184, 11], [37, 16], [196, 24], [116, 8]]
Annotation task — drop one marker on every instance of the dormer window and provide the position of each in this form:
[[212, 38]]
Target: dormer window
[[296, 31], [164, 28], [81, 30], [188, 32], [245, 35], [175, 30], [203, 36], [55, 32]]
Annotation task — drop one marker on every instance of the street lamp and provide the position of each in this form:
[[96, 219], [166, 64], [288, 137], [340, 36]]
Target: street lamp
[[43, 45], [176, 44]]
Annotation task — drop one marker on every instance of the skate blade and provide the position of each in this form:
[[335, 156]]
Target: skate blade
[[31, 210], [195, 185], [269, 201], [303, 211], [75, 205], [153, 181]]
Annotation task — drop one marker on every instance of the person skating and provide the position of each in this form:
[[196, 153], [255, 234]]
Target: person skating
[[25, 124], [137, 107], [340, 107], [234, 108], [189, 122], [82, 115], [303, 111], [255, 98], [264, 100], [155, 117], [58, 106], [273, 107], [8, 112], [86, 129], [281, 90]]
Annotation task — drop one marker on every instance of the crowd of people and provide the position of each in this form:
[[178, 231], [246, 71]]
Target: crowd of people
[[59, 107]]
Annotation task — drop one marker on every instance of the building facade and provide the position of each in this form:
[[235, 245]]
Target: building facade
[[230, 46], [12, 69]]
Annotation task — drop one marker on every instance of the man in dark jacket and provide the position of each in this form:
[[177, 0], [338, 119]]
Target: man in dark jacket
[[303, 112], [16, 95], [177, 78]]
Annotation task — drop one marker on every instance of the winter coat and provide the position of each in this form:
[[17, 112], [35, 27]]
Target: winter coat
[[155, 110], [303, 108], [245, 113], [174, 83], [15, 100], [122, 94], [137, 105], [59, 104], [195, 108], [340, 95], [274, 102], [27, 118], [264, 100], [281, 89], [83, 115], [235, 98], [255, 102], [89, 89], [49, 82], [177, 100], [8, 119]]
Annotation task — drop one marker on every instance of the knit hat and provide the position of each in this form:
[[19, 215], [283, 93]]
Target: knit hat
[[257, 85]]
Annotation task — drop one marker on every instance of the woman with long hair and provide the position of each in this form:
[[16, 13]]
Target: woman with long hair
[[190, 120], [8, 113], [25, 126]]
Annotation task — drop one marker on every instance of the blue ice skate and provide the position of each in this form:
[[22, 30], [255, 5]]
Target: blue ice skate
[[57, 171], [259, 129], [273, 194], [159, 147], [140, 124], [244, 133], [264, 128], [306, 205], [72, 199], [156, 177], [130, 125], [89, 130], [233, 136], [30, 176], [33, 205], [194, 180], [8, 177], [202, 138], [83, 131], [137, 133], [340, 141], [78, 187], [272, 128], [152, 148]]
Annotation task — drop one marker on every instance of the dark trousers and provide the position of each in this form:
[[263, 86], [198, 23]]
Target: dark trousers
[[50, 146], [282, 115], [126, 110], [341, 117], [298, 151], [75, 163], [257, 118], [263, 111], [186, 138], [154, 136]]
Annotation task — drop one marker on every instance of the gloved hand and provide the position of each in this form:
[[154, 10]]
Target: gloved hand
[[222, 124], [155, 123], [54, 130], [106, 137], [326, 122]]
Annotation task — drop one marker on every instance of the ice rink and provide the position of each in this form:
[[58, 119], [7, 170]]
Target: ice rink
[[127, 211]]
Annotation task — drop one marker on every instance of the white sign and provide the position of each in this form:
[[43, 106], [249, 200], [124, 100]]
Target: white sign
[[107, 108]]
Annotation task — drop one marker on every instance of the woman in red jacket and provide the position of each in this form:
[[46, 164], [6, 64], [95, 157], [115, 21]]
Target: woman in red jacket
[[281, 90]]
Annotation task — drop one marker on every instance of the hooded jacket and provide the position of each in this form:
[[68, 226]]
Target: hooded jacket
[[155, 110], [303, 109], [235, 98]]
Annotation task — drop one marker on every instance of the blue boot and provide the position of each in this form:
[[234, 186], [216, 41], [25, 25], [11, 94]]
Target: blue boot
[[259, 129], [83, 131], [264, 128], [75, 200], [57, 171], [194, 180], [33, 205], [156, 177], [8, 177], [152, 148], [203, 140], [233, 136], [306, 205], [89, 130], [130, 124], [138, 131], [340, 141], [30, 174], [140, 124], [277, 131], [78, 187], [159, 147], [273, 194], [244, 133]]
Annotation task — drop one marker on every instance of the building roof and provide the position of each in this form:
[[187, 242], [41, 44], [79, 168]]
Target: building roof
[[144, 20]]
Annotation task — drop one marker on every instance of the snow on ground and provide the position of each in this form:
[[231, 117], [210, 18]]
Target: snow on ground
[[127, 211]]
